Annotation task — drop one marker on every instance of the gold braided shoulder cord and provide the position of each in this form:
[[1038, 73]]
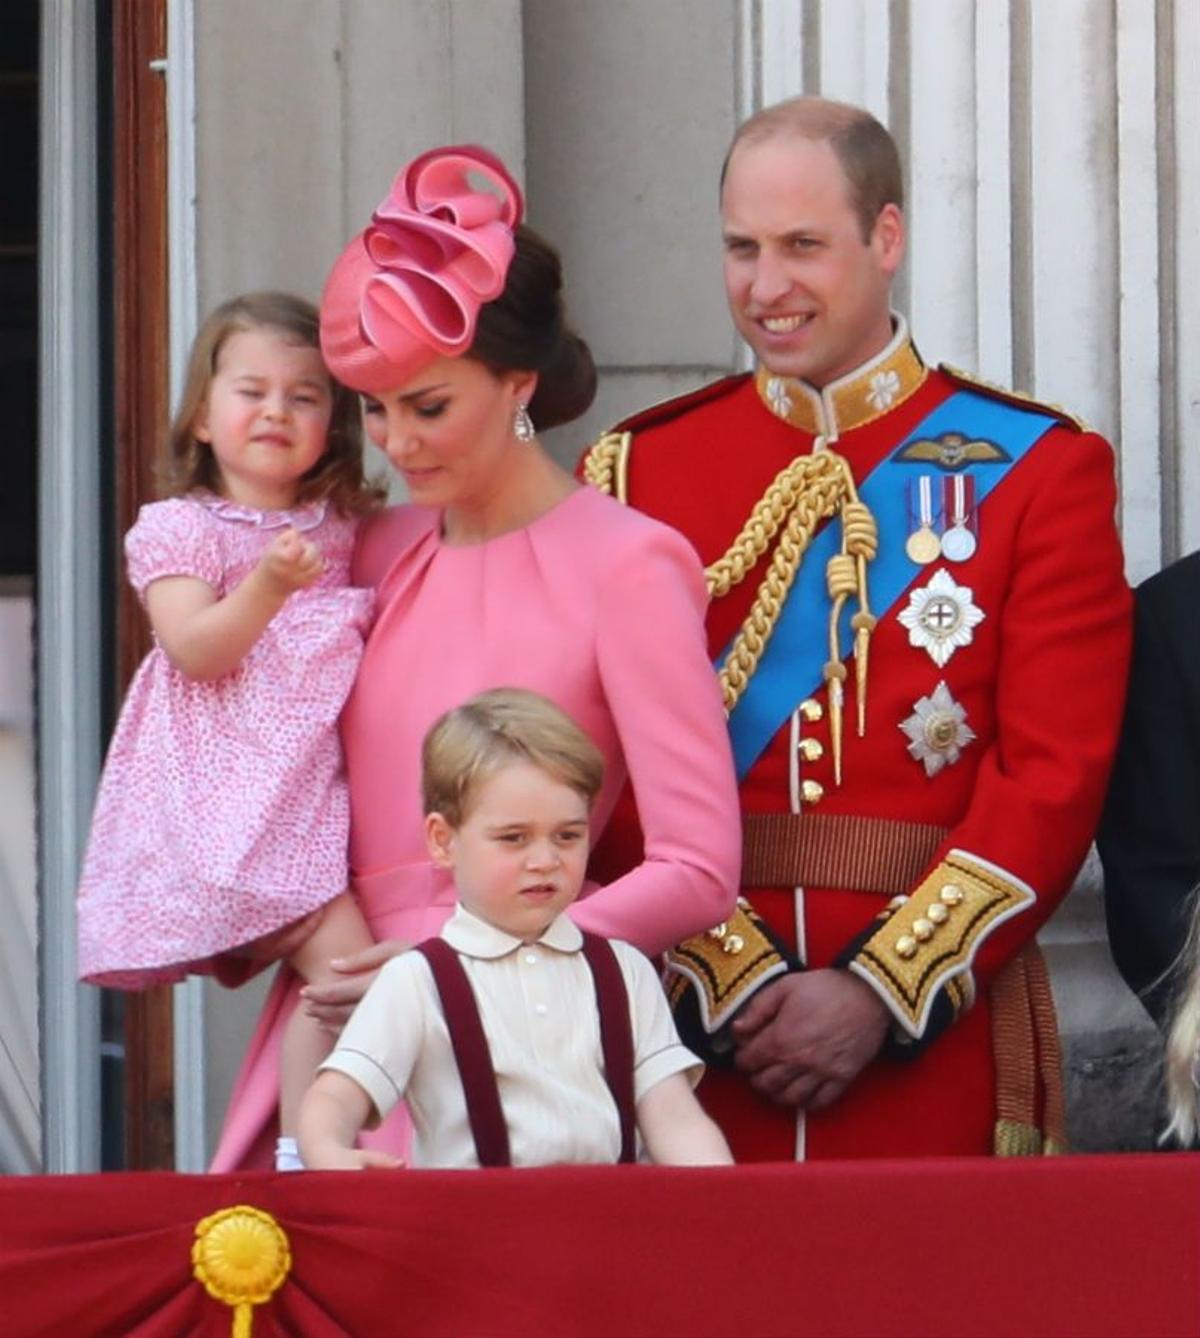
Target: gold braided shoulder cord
[[606, 463], [811, 489], [807, 491]]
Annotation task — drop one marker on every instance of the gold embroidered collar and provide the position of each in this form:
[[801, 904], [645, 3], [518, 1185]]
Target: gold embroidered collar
[[859, 397]]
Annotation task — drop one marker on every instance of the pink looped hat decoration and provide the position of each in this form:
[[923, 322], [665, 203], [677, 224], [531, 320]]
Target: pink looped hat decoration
[[409, 287]]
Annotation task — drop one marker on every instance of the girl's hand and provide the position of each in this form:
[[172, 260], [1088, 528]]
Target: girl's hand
[[332, 1005], [291, 563]]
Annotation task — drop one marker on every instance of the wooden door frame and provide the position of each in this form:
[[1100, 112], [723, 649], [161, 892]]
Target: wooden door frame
[[141, 407]]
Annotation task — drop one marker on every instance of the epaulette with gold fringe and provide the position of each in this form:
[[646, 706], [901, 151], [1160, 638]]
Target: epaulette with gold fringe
[[1016, 397]]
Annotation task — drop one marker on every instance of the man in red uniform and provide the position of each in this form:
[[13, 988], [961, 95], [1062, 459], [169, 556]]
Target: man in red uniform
[[921, 621]]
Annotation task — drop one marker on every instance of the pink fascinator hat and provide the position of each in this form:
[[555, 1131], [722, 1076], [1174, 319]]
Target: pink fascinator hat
[[409, 287]]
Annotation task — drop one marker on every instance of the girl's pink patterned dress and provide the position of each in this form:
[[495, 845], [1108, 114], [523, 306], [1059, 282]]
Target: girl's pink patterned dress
[[222, 812]]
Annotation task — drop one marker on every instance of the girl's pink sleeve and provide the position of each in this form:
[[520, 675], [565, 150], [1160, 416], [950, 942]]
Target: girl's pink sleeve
[[666, 705], [172, 538]]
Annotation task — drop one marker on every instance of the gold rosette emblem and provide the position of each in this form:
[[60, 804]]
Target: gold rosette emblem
[[242, 1257]]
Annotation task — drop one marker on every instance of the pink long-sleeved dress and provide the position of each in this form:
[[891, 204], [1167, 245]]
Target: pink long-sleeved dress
[[601, 610]]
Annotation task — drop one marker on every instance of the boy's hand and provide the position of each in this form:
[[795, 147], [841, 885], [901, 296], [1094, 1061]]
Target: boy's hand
[[353, 1159], [291, 562]]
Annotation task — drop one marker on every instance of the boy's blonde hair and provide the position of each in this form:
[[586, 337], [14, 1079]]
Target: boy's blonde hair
[[337, 477], [469, 744], [1182, 1059]]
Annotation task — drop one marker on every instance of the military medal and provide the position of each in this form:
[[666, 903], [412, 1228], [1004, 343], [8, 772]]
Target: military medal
[[937, 730], [941, 617], [922, 545], [959, 542]]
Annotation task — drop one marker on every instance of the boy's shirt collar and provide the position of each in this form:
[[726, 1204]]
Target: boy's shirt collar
[[467, 933]]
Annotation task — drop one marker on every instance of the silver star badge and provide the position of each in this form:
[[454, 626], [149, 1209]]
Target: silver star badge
[[941, 616], [937, 730]]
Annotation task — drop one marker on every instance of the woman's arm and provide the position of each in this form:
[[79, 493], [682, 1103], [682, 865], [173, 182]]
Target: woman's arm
[[206, 636], [663, 696]]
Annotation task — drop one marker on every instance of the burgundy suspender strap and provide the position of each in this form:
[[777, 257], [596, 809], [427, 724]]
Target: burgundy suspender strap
[[471, 1053], [616, 1034], [474, 1060]]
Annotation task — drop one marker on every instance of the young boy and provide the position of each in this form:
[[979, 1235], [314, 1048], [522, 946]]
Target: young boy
[[575, 1030]]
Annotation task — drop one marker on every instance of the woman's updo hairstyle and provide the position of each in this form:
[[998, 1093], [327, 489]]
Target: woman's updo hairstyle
[[525, 329]]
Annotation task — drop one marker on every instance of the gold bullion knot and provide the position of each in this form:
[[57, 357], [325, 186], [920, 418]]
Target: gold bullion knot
[[241, 1255], [811, 489]]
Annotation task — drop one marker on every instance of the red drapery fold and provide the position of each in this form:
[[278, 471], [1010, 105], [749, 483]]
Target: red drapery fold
[[1102, 1246]]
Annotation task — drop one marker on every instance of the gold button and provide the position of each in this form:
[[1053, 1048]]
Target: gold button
[[811, 709], [951, 894], [922, 930], [938, 913], [811, 791], [733, 944], [811, 750], [906, 946], [896, 903]]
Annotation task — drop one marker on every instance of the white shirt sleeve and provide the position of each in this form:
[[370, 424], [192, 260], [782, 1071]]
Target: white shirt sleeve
[[379, 1046], [657, 1050]]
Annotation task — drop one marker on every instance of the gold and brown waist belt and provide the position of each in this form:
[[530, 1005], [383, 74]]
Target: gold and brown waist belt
[[841, 850]]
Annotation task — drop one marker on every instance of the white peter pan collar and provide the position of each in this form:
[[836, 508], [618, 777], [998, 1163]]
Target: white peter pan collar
[[467, 933]]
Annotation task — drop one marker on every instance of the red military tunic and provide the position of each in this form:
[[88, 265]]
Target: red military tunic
[[1041, 682]]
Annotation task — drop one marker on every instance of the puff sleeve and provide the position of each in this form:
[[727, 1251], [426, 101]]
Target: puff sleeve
[[172, 538]]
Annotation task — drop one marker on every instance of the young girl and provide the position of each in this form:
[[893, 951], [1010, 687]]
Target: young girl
[[222, 814], [516, 1039]]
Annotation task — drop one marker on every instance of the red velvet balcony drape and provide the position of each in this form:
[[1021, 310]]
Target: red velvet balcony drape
[[1102, 1247]]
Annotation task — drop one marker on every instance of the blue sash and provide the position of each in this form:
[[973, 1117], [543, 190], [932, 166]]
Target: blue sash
[[792, 664]]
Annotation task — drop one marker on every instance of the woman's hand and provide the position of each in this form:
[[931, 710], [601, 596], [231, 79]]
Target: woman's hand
[[332, 1005]]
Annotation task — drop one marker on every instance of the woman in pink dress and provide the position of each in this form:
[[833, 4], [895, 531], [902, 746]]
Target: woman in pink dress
[[446, 314]]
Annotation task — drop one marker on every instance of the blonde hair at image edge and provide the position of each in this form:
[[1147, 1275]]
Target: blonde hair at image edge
[[1182, 1060], [496, 729]]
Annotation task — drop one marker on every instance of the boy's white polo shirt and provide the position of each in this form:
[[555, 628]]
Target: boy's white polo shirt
[[537, 1002]]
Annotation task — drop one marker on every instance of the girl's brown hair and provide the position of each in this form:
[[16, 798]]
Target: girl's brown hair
[[337, 477]]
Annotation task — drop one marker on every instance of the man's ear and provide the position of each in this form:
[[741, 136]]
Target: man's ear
[[888, 238], [439, 840]]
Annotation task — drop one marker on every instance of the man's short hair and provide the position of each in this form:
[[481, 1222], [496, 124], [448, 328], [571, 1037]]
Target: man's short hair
[[474, 741], [865, 149]]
